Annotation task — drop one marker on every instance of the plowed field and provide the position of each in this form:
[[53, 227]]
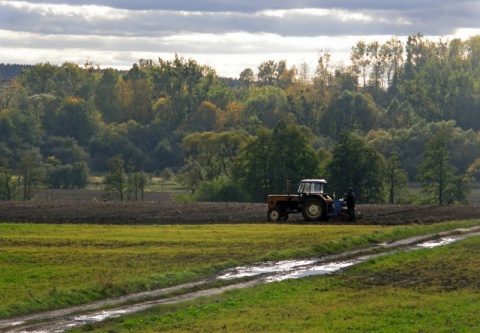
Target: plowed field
[[167, 212]]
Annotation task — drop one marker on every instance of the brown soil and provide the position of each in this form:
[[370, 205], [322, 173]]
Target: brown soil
[[167, 212]]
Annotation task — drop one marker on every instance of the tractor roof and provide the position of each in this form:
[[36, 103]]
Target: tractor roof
[[314, 181]]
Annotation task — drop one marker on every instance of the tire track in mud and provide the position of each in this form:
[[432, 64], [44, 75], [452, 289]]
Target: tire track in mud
[[61, 320]]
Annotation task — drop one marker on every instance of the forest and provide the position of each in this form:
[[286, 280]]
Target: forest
[[396, 113]]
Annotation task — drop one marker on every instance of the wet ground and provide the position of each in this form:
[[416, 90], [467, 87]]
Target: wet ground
[[168, 212], [61, 320]]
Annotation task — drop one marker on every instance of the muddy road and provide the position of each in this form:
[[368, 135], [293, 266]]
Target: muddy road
[[167, 212], [61, 320]]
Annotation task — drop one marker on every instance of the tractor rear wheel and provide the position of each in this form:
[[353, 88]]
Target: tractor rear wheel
[[274, 214], [313, 209]]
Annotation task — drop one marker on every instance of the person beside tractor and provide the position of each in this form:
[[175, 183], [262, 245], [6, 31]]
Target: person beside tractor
[[350, 198]]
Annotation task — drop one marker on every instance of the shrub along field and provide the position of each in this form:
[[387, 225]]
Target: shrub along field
[[45, 266]]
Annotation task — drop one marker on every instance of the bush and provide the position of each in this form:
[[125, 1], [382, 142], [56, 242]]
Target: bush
[[183, 197], [220, 190], [68, 176]]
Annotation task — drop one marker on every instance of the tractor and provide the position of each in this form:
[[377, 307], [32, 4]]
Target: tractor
[[311, 200]]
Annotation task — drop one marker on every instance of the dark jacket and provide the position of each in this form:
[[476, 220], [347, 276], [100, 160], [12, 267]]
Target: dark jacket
[[350, 199]]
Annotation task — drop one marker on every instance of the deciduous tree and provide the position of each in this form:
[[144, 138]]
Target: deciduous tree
[[396, 178], [7, 186], [435, 172], [77, 119], [349, 111], [116, 179], [210, 156], [358, 165], [272, 157], [31, 173]]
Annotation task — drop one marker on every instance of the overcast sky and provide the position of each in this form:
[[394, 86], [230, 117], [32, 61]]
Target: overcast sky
[[226, 35]]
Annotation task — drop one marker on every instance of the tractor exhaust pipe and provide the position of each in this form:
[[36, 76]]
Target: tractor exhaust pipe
[[289, 183]]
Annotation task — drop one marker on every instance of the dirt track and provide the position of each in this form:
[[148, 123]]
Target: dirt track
[[167, 212]]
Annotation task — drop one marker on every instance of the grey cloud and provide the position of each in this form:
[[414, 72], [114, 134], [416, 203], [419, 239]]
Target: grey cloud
[[162, 23], [247, 6], [151, 27], [250, 6], [148, 45]]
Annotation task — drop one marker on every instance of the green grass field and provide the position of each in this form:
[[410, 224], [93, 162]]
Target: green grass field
[[53, 266], [430, 291]]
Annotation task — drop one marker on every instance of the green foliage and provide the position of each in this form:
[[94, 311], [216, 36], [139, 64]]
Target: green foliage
[[31, 173], [267, 105], [397, 95], [105, 99], [437, 175], [120, 139], [209, 156], [396, 179], [7, 184], [40, 79], [75, 81], [222, 189], [7, 128], [440, 84], [358, 165], [66, 149], [66, 176], [473, 171], [75, 118], [349, 111], [116, 179], [137, 182], [134, 97], [272, 157], [220, 94], [185, 84]]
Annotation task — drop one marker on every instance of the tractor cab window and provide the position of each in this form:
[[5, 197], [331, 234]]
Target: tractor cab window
[[310, 188], [302, 189], [317, 188]]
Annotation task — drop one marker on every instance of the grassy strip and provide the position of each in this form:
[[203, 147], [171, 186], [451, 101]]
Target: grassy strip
[[431, 290], [53, 266]]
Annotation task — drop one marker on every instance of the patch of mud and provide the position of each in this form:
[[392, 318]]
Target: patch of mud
[[61, 320]]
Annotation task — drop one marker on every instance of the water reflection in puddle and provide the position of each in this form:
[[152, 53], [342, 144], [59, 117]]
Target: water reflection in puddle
[[312, 270], [100, 316], [265, 268], [294, 269], [438, 242], [288, 269]]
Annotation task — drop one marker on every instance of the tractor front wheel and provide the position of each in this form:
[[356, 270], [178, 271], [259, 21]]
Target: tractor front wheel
[[313, 210], [274, 214]]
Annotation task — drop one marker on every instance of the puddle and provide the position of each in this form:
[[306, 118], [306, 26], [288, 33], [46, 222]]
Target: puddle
[[295, 269], [438, 242], [312, 270], [288, 269], [265, 273], [265, 268], [96, 317]]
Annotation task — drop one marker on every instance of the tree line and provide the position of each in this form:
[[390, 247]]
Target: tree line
[[397, 112]]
